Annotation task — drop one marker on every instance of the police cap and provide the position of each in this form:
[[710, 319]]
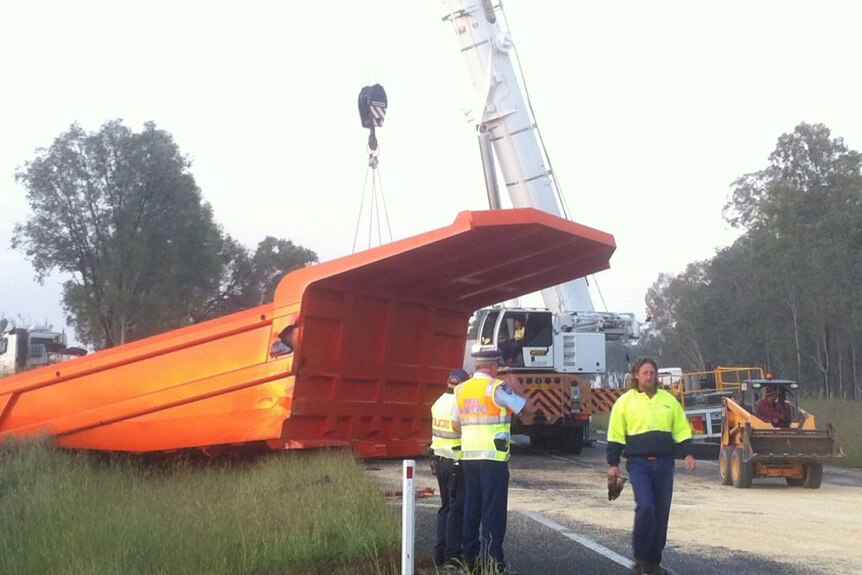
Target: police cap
[[489, 355], [457, 377]]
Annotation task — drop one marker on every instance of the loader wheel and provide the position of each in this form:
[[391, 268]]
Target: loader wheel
[[813, 476], [740, 471], [724, 464]]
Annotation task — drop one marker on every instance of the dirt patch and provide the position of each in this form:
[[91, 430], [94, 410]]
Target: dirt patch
[[818, 528], [792, 525]]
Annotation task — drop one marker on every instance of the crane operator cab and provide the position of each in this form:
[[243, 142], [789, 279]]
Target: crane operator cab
[[534, 339]]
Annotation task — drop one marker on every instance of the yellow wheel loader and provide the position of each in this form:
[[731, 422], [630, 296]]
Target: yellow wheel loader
[[764, 433]]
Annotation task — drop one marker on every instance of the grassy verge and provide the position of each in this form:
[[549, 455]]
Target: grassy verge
[[73, 513], [846, 417]]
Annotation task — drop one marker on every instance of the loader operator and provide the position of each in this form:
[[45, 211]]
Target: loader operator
[[446, 445], [650, 425], [773, 408]]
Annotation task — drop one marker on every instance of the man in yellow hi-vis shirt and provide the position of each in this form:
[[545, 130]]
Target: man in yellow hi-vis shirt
[[650, 425]]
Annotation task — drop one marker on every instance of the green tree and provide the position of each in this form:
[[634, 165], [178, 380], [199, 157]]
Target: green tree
[[673, 302], [250, 280], [805, 210], [121, 214], [786, 295]]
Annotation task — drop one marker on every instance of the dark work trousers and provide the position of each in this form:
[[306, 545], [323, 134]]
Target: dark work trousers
[[450, 516], [485, 503], [652, 483]]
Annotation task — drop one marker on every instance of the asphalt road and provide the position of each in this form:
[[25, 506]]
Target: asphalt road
[[552, 540]]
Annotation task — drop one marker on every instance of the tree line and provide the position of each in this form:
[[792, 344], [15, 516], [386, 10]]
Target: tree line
[[119, 214], [787, 295]]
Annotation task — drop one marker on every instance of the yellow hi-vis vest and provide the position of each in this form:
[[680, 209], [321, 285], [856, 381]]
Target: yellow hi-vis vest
[[481, 419], [445, 441]]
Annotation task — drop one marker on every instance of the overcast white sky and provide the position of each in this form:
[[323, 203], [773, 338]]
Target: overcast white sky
[[649, 111]]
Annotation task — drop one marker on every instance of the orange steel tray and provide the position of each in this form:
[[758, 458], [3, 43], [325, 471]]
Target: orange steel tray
[[377, 333]]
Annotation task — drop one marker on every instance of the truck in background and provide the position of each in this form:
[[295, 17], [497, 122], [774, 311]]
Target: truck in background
[[701, 394], [22, 349]]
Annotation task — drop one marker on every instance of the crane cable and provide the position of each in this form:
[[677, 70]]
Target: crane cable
[[372, 111], [373, 174]]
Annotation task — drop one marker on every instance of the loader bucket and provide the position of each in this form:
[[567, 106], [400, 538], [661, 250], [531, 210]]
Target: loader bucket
[[376, 334], [804, 445]]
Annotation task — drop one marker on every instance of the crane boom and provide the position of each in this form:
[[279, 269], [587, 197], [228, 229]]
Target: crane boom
[[507, 122]]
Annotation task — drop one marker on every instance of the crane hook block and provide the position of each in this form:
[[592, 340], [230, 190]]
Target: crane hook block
[[372, 106]]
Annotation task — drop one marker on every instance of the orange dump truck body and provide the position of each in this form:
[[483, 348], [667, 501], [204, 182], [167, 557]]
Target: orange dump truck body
[[376, 334]]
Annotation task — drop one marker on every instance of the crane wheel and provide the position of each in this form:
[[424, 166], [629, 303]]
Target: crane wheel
[[740, 471], [572, 441], [813, 476], [724, 464], [540, 441]]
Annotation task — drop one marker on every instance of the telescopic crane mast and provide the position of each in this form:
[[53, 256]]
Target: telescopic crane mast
[[508, 132], [506, 122]]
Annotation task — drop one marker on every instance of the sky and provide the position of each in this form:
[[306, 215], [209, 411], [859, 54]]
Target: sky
[[649, 112]]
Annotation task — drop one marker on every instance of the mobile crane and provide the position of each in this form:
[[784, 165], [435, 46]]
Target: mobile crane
[[565, 341]]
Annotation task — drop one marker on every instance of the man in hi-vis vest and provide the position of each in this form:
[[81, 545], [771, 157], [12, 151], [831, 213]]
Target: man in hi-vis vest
[[484, 408], [446, 445]]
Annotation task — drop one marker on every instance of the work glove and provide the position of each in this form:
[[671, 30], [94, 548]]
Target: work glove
[[615, 486]]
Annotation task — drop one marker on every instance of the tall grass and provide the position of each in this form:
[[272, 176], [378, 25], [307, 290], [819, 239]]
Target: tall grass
[[846, 417], [73, 513]]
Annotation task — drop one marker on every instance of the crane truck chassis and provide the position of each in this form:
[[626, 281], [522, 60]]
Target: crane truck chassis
[[550, 364]]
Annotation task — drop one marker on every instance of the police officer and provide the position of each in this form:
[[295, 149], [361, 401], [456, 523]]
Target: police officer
[[650, 425], [484, 408], [446, 445]]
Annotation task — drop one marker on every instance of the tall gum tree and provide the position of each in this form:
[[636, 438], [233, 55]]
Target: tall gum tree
[[120, 213]]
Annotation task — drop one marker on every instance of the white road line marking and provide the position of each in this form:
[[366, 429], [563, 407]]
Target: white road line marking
[[582, 540]]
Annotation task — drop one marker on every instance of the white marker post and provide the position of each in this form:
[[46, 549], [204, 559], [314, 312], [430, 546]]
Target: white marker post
[[408, 518]]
